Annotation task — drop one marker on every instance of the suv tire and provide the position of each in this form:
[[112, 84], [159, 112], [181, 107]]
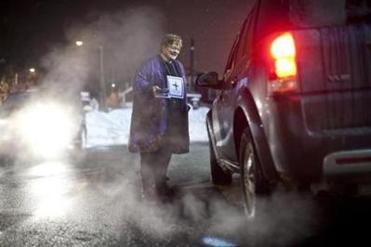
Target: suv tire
[[252, 178]]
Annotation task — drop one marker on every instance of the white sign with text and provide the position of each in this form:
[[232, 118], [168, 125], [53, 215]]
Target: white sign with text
[[176, 86]]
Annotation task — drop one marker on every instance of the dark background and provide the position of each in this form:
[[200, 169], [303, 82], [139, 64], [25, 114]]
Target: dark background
[[31, 29]]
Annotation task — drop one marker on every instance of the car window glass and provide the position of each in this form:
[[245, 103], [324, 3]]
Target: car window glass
[[231, 59], [241, 47], [244, 42]]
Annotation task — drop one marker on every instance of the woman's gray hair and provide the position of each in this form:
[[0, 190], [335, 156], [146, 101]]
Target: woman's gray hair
[[170, 39]]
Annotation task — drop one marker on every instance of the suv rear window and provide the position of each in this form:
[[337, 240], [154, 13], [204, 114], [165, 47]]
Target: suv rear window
[[314, 13]]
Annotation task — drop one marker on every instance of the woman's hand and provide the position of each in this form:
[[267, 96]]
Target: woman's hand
[[160, 92], [156, 90]]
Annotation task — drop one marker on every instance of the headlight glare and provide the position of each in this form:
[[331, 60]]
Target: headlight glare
[[46, 128]]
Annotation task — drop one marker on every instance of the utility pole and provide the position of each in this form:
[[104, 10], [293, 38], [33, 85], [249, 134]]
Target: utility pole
[[191, 70], [16, 79], [102, 83]]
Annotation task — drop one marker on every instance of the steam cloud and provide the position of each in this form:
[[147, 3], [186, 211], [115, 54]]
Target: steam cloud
[[197, 212], [128, 38]]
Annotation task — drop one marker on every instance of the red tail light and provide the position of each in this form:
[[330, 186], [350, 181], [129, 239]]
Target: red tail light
[[284, 69]]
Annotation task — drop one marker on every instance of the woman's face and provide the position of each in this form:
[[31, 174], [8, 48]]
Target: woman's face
[[172, 51]]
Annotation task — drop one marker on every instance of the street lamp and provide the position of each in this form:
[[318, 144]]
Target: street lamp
[[79, 43], [102, 83]]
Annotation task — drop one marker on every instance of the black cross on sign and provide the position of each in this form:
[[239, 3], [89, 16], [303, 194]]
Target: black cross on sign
[[176, 86]]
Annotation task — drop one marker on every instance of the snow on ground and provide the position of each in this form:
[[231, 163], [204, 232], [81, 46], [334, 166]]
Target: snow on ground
[[112, 128]]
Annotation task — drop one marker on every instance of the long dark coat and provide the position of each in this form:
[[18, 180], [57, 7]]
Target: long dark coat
[[149, 129]]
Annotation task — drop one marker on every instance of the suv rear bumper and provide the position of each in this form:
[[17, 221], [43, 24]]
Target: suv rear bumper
[[353, 165], [305, 156]]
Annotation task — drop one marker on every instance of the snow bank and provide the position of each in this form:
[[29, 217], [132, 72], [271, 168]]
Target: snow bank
[[112, 128]]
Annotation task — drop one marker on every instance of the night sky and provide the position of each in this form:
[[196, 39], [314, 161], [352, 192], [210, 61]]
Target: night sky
[[30, 29]]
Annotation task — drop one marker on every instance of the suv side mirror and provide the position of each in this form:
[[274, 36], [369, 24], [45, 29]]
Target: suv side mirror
[[209, 80]]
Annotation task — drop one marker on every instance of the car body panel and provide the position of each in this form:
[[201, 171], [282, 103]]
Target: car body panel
[[294, 132]]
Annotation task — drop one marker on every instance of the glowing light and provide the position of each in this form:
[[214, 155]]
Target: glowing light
[[4, 123], [283, 46], [32, 70], [283, 50], [79, 43], [46, 128], [285, 67], [51, 190], [217, 242], [48, 169]]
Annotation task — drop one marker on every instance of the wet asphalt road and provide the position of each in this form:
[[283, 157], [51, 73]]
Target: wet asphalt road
[[94, 200]]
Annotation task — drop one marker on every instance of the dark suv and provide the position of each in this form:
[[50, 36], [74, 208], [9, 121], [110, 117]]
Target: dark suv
[[294, 99]]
